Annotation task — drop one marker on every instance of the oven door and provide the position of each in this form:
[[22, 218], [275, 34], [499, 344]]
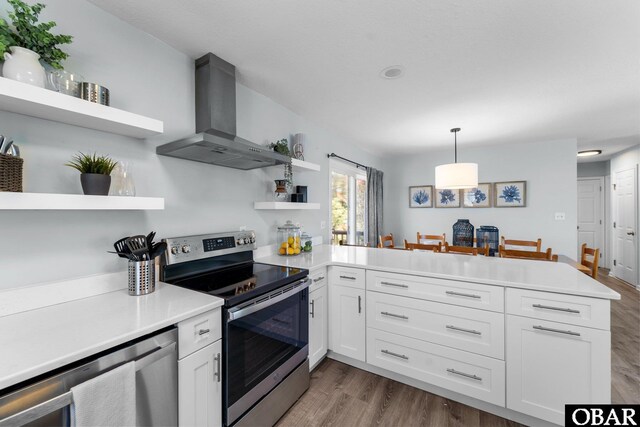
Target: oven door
[[265, 339]]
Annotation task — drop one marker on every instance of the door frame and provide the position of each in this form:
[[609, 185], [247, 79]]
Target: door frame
[[614, 215], [603, 219]]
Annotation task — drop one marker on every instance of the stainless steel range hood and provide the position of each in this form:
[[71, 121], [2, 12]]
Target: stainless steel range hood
[[215, 141]]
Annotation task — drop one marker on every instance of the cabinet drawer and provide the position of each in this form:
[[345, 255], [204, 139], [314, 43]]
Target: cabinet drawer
[[466, 294], [571, 309], [318, 278], [199, 331], [468, 329], [347, 276], [470, 374]]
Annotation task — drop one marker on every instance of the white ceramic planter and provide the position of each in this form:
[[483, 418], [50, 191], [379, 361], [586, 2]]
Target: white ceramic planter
[[23, 65]]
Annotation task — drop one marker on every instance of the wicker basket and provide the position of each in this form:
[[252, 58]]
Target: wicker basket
[[11, 173]]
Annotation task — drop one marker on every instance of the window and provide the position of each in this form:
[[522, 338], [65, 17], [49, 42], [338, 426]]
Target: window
[[348, 204]]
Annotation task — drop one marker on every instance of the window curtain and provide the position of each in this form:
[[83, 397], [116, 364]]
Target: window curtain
[[374, 205]]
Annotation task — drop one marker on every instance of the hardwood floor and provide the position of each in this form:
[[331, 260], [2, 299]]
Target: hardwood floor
[[341, 395]]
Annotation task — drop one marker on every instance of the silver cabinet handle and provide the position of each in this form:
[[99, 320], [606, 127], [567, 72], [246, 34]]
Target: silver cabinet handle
[[470, 331], [397, 285], [398, 316], [460, 294], [559, 331], [462, 374], [348, 277], [391, 353], [203, 331], [313, 309], [216, 373], [548, 307], [318, 279], [359, 304]]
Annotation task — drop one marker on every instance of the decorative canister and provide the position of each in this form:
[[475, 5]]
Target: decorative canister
[[289, 239], [488, 234], [463, 233], [142, 277], [305, 243], [11, 173], [281, 194], [23, 65], [95, 93]]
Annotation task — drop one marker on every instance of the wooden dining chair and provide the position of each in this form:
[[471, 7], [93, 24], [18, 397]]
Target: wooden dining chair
[[422, 246], [461, 250], [520, 243], [590, 263], [442, 238], [540, 256], [386, 241]]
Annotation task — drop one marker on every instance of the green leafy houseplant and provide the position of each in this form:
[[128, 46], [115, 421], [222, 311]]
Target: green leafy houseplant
[[26, 32], [281, 147], [86, 163]]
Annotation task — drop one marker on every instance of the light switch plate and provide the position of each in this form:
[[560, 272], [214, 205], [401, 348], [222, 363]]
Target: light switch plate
[[560, 216]]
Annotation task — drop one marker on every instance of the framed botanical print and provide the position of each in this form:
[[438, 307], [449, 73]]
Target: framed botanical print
[[421, 196], [479, 197], [510, 194], [447, 198]]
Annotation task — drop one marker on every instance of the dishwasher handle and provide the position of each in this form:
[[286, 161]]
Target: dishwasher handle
[[65, 399]]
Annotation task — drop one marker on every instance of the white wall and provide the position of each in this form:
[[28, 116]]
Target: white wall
[[148, 77], [593, 169], [548, 167]]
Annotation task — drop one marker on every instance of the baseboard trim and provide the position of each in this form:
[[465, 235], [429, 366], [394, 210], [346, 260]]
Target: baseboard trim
[[466, 400]]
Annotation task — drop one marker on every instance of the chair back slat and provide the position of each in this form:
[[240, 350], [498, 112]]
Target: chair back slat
[[386, 241], [592, 263], [526, 243], [462, 250], [541, 256], [442, 238], [422, 246]]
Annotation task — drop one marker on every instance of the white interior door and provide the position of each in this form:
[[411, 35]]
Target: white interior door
[[625, 233], [591, 213]]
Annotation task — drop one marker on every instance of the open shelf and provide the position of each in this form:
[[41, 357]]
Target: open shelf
[[285, 206], [22, 98], [302, 165], [48, 201]]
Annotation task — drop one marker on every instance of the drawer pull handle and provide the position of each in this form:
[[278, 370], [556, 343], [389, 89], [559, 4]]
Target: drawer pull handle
[[397, 285], [470, 331], [460, 294], [203, 331], [548, 307], [391, 353], [216, 373], [559, 331], [359, 304], [462, 374], [398, 316], [348, 277], [318, 279], [313, 309]]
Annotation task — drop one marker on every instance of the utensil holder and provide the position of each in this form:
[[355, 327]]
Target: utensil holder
[[142, 277], [95, 93], [11, 173]]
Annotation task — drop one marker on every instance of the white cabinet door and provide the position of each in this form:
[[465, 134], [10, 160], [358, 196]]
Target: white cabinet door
[[200, 387], [551, 364], [347, 321], [318, 326]]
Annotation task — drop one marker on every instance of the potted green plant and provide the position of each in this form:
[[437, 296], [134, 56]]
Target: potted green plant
[[26, 41], [95, 172]]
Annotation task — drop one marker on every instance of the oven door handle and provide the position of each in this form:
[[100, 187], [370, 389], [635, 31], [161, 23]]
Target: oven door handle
[[264, 301]]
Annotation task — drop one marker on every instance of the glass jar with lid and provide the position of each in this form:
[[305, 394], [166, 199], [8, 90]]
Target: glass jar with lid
[[306, 245], [289, 239]]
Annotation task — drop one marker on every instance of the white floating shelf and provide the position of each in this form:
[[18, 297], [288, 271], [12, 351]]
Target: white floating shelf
[[301, 164], [48, 201], [22, 98], [285, 206]]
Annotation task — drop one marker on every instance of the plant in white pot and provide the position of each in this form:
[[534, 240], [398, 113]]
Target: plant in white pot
[[95, 173], [25, 42]]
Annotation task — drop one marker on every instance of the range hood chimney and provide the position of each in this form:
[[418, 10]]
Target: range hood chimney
[[215, 141]]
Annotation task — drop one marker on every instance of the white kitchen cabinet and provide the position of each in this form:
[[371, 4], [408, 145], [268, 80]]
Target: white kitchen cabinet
[[200, 387], [318, 325], [550, 364], [347, 327]]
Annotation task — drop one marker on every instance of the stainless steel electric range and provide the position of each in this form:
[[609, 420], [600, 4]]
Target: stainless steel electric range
[[265, 322]]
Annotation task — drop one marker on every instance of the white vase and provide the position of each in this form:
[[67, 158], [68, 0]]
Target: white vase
[[23, 65]]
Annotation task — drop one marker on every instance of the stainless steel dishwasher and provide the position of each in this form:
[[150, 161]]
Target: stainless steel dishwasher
[[46, 400]]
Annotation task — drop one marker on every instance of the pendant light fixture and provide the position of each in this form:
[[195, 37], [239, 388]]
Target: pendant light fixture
[[456, 175]]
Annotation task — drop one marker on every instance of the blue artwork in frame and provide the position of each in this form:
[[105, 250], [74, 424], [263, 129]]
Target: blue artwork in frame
[[511, 194], [479, 197], [446, 198], [421, 196]]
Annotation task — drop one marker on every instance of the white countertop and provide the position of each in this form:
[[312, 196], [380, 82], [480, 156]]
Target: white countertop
[[527, 274], [36, 341]]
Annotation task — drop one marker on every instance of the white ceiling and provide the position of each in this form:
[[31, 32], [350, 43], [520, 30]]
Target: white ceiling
[[505, 71]]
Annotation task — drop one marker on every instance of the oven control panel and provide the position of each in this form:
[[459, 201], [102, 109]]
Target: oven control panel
[[190, 248]]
